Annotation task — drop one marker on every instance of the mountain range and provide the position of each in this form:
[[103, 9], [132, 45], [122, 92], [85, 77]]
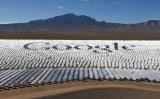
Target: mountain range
[[71, 26]]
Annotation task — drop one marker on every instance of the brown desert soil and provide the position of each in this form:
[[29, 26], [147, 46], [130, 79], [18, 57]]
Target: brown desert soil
[[81, 35], [87, 90]]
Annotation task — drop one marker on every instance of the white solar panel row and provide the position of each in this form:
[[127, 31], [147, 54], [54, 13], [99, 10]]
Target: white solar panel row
[[50, 75], [137, 59]]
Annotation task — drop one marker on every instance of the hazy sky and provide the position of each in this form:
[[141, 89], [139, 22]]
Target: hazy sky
[[124, 11]]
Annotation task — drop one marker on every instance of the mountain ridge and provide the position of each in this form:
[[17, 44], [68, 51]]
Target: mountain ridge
[[79, 24], [72, 14]]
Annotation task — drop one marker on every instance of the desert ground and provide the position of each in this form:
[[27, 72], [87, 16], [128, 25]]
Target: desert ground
[[89, 89]]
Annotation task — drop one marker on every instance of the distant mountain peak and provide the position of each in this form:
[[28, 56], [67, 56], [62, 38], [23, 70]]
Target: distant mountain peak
[[69, 14], [67, 20], [153, 23], [79, 24]]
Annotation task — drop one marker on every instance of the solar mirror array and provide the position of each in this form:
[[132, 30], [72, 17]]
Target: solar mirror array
[[36, 62]]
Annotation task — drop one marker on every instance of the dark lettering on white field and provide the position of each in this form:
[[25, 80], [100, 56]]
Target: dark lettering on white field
[[50, 46]]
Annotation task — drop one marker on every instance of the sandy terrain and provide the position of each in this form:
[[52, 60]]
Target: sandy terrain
[[88, 89]]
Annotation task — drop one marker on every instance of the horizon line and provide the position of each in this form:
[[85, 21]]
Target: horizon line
[[18, 22]]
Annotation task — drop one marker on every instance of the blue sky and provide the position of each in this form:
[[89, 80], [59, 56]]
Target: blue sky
[[120, 11]]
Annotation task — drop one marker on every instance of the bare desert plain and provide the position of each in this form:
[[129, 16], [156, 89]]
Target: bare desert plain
[[87, 90]]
